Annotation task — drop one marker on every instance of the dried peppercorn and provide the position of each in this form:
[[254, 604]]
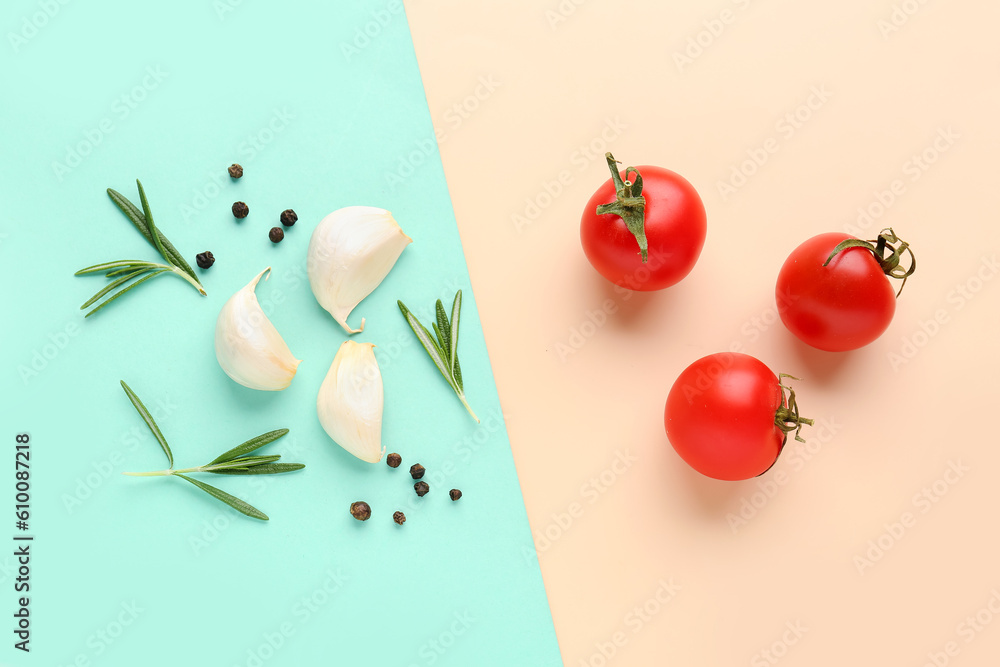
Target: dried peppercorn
[[421, 488], [360, 510], [417, 471], [455, 494], [399, 518], [241, 210], [393, 460], [276, 234], [205, 259], [235, 170], [288, 217]]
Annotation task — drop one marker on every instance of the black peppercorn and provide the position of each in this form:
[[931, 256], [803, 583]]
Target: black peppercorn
[[455, 494], [241, 210], [399, 518], [288, 217], [235, 170], [276, 234], [360, 510], [205, 259], [393, 460], [416, 471], [421, 488]]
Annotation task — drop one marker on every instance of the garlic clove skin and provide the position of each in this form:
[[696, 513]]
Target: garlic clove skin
[[248, 347], [350, 252], [350, 401]]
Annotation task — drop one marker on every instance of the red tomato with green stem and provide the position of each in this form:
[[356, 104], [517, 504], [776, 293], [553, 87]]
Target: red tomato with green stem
[[728, 416], [833, 293], [645, 232]]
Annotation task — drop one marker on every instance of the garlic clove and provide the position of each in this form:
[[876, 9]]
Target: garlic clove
[[248, 347], [350, 252], [350, 401]]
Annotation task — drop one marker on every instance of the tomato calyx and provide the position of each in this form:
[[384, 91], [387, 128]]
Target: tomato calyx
[[877, 247], [629, 205], [787, 417]]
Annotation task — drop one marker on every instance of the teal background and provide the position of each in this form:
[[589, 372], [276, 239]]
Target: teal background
[[129, 571]]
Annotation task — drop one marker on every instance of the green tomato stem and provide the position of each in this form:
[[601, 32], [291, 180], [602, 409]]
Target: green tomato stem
[[787, 417], [889, 264], [629, 204]]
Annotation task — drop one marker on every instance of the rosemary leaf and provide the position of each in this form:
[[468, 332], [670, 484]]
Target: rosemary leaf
[[235, 465], [250, 445], [232, 501], [139, 220], [112, 285], [132, 286], [440, 339], [444, 337], [122, 263], [148, 418], [433, 350], [131, 212], [444, 351], [243, 462], [126, 269], [153, 231], [265, 469], [143, 265], [456, 312], [458, 374]]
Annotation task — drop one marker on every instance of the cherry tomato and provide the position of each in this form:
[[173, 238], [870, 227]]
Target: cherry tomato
[[672, 219], [728, 417], [845, 304]]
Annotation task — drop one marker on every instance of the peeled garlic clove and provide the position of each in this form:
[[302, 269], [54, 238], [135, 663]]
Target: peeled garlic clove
[[247, 345], [351, 251], [349, 404]]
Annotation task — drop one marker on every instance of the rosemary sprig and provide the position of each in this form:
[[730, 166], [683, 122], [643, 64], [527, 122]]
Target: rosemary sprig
[[443, 347], [126, 270], [236, 461]]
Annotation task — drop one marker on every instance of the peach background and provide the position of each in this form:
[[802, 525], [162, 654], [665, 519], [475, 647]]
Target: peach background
[[885, 431]]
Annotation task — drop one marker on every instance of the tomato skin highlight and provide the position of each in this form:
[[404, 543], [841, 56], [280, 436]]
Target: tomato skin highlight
[[720, 416], [842, 306], [675, 225]]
